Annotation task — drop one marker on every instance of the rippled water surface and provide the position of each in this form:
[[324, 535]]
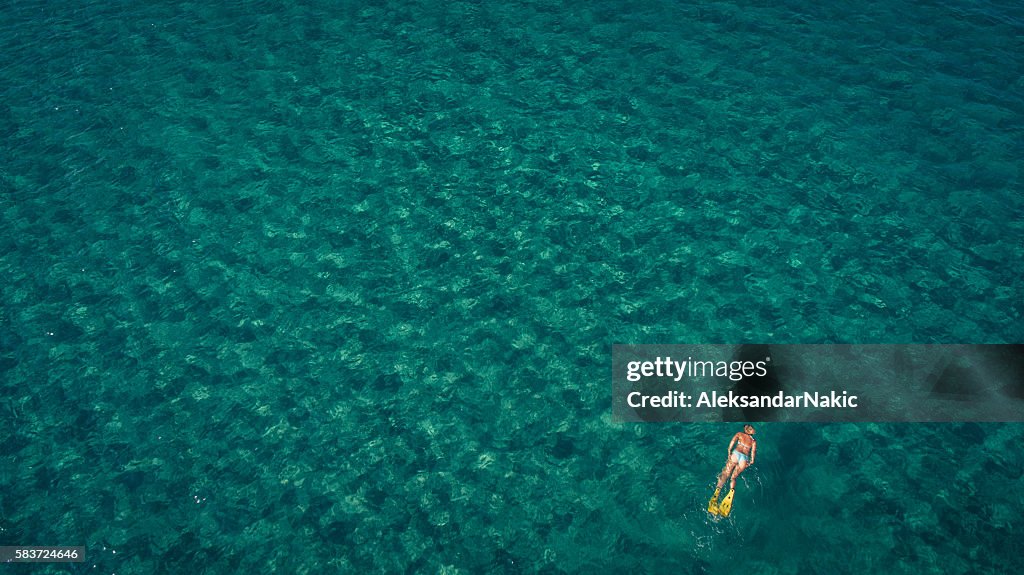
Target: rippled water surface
[[317, 287]]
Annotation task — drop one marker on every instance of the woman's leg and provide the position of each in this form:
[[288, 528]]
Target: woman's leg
[[729, 466], [737, 469]]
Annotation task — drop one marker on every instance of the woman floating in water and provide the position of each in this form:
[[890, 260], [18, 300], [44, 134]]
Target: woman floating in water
[[742, 451]]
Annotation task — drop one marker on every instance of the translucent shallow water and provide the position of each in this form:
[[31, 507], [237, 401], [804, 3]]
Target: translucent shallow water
[[309, 287]]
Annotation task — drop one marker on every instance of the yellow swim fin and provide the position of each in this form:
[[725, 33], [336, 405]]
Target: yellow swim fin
[[726, 505], [713, 504]]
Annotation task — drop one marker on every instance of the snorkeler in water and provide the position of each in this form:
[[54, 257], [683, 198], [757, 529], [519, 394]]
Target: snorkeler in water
[[742, 451]]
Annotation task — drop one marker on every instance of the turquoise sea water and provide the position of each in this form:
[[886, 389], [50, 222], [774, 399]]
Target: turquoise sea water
[[322, 287]]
